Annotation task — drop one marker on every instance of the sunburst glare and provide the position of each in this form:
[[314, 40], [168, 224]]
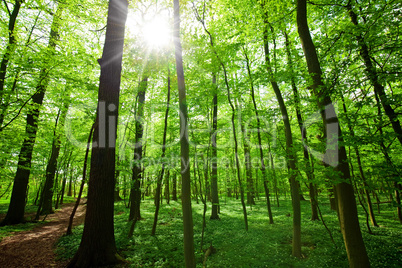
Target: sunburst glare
[[157, 32], [153, 29]]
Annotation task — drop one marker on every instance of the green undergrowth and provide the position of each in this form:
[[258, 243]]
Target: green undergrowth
[[264, 245]]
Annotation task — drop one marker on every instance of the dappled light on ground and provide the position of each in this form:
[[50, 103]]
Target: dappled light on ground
[[35, 248]]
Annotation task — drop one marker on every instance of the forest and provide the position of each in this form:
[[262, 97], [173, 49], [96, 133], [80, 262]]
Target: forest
[[248, 133]]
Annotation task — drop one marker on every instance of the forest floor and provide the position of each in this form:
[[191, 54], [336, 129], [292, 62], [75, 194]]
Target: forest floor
[[35, 247]]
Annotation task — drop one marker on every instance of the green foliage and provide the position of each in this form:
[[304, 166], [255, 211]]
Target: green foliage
[[236, 28], [264, 245]]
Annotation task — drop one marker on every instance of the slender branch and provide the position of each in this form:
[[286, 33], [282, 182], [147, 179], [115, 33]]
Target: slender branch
[[99, 30], [19, 112], [8, 10], [330, 4]]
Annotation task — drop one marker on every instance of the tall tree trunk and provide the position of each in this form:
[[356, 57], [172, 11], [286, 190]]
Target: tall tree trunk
[[5, 100], [135, 195], [15, 213], [189, 256], [174, 187], [84, 176], [291, 156], [211, 41], [374, 77], [388, 159], [398, 190], [159, 182], [236, 150], [63, 186], [214, 154], [10, 48], [303, 131], [247, 161], [347, 210], [262, 164], [167, 187], [70, 184], [363, 177], [98, 247], [47, 193]]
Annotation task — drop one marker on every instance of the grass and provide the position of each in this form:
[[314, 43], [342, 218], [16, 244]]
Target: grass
[[264, 245]]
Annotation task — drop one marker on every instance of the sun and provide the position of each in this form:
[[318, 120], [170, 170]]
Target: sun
[[157, 32], [152, 28]]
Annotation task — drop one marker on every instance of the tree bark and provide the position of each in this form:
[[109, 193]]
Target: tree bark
[[189, 256], [16, 209], [12, 41], [363, 177], [232, 120], [167, 187], [159, 182], [388, 159], [84, 175], [374, 78], [174, 187], [347, 210], [247, 162], [303, 131], [291, 156], [262, 164], [214, 153], [235, 148], [98, 245], [135, 195], [51, 168]]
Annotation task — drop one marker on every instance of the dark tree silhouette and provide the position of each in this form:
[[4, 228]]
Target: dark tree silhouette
[[98, 245]]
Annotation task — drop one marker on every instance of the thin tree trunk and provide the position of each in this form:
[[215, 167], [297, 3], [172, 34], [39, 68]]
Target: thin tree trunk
[[135, 196], [98, 247], [374, 77], [188, 232], [363, 177], [16, 209], [52, 165], [262, 164], [70, 184], [174, 187], [167, 187], [303, 131], [84, 175], [388, 159], [195, 175], [10, 48], [214, 153], [247, 161], [159, 182], [236, 151], [232, 120], [204, 202], [347, 209], [63, 187], [398, 190], [291, 157]]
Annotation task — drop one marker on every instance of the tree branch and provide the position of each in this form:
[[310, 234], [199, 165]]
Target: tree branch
[[8, 10], [19, 112]]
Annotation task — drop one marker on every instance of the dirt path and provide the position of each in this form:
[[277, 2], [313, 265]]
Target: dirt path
[[35, 248]]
